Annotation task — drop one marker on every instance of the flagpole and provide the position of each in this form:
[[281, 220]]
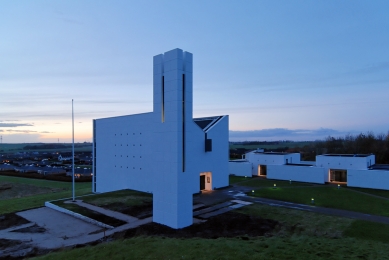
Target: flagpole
[[73, 152]]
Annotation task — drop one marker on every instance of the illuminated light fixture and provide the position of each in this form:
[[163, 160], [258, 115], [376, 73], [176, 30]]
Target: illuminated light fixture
[[290, 181], [275, 186], [252, 191], [338, 186], [312, 201]]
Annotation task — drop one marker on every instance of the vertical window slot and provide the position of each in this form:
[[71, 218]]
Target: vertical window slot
[[163, 99], [183, 122]]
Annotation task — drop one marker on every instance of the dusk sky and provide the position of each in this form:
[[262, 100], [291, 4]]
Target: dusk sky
[[296, 70]]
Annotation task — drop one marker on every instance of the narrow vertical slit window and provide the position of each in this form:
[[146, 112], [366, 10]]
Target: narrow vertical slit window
[[183, 122], [163, 99]]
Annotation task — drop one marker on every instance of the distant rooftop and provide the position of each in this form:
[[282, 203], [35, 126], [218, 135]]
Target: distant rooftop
[[273, 153], [347, 155]]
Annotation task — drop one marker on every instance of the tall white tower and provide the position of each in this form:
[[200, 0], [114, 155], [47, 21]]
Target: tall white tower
[[173, 195]]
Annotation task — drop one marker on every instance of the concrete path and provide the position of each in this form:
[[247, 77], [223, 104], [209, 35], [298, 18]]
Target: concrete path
[[107, 212]]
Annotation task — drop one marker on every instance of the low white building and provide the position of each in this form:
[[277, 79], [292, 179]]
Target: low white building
[[165, 152], [354, 170]]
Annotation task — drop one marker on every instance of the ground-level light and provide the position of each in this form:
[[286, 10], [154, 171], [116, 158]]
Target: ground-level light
[[313, 201]]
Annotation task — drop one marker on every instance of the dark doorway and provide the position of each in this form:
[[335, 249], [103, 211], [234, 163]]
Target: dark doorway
[[202, 182], [338, 175], [262, 170]]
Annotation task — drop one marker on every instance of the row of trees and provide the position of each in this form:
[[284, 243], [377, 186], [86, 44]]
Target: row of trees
[[364, 143]]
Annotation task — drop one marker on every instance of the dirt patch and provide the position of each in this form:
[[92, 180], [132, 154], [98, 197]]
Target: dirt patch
[[33, 229], [11, 249], [10, 220], [230, 224], [142, 211]]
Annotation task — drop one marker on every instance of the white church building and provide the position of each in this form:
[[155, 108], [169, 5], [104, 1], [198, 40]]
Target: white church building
[[165, 152]]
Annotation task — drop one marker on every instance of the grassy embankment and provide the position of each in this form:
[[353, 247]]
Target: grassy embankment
[[300, 235], [52, 190]]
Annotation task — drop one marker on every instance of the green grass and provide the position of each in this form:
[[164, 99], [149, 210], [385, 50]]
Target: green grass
[[127, 197], [302, 247], [38, 182], [90, 213], [236, 179], [329, 197], [367, 230], [19, 204], [381, 193], [300, 222], [263, 183], [301, 235]]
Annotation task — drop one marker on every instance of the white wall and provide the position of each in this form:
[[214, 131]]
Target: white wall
[[296, 173], [239, 168], [270, 159], [372, 179], [344, 162]]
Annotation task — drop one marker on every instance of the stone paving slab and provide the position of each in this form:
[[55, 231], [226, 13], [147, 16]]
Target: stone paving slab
[[242, 202], [212, 208], [217, 212]]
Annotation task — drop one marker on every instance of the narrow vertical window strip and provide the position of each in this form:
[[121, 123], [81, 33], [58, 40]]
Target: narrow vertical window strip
[[183, 122], [163, 99], [94, 157]]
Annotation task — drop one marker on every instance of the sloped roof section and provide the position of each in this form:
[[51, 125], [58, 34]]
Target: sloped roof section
[[206, 122]]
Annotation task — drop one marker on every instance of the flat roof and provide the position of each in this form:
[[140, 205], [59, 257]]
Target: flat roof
[[273, 153], [239, 161], [299, 164], [346, 155], [384, 167]]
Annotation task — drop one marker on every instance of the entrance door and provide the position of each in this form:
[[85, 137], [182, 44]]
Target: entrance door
[[202, 182]]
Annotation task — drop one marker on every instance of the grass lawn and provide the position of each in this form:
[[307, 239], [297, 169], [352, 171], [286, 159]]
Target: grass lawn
[[263, 182], [301, 235], [381, 193], [330, 197], [57, 190], [235, 179], [126, 197], [90, 213]]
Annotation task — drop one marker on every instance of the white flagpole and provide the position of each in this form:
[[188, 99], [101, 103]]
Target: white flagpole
[[73, 151]]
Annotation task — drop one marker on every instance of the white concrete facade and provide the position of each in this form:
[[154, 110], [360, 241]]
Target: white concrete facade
[[163, 152], [269, 158], [372, 179], [240, 168], [297, 173], [355, 170]]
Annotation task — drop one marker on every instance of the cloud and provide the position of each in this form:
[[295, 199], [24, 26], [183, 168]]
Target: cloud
[[1, 130], [2, 124], [284, 134], [46, 132], [21, 131]]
